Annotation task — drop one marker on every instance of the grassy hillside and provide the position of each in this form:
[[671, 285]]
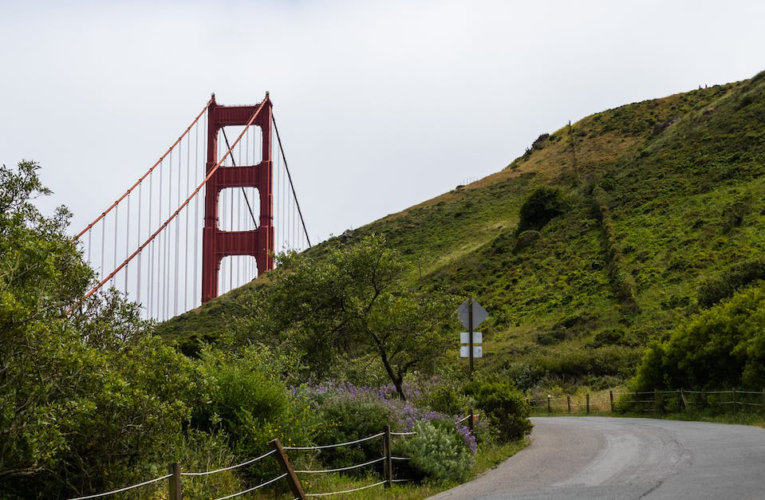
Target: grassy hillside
[[662, 196]]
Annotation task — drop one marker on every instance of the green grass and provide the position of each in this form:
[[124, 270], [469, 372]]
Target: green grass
[[683, 178]]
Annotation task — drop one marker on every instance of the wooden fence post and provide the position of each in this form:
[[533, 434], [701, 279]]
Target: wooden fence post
[[611, 397], [679, 401], [568, 400], [682, 400], [284, 464], [588, 403], [734, 400], [175, 485], [388, 468], [548, 404], [471, 421]]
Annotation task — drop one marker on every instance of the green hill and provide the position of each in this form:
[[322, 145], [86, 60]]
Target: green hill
[[657, 201]]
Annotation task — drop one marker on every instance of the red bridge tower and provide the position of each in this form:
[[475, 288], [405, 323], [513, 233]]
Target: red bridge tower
[[258, 243]]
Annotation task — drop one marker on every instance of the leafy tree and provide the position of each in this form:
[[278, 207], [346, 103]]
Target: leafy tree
[[722, 347], [88, 400], [350, 302], [542, 205]]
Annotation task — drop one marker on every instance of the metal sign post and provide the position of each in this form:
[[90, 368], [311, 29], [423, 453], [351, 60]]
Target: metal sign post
[[471, 315], [470, 332]]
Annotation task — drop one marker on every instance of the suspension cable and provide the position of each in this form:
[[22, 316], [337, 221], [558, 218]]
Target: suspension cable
[[146, 174], [178, 210], [287, 168]]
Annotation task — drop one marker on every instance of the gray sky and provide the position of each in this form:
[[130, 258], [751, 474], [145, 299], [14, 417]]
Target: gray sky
[[381, 104]]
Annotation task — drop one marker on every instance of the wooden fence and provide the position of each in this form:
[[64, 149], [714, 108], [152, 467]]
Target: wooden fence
[[656, 402], [175, 474]]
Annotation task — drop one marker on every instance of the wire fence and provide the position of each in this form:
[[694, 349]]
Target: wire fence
[[288, 473], [655, 402]]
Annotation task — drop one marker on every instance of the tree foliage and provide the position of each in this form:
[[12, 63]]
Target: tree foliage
[[351, 302], [542, 205], [84, 398], [722, 347]]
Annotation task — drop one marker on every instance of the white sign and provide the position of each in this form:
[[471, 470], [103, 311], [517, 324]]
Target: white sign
[[465, 351], [479, 314], [465, 338]]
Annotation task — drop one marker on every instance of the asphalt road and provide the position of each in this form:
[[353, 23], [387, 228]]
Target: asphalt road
[[621, 458]]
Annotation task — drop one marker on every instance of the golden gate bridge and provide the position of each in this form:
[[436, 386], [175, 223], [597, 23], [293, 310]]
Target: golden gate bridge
[[204, 219]]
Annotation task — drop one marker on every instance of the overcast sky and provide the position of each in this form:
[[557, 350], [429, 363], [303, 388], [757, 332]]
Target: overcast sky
[[381, 104]]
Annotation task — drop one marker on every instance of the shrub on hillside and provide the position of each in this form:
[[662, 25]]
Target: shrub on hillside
[[347, 419], [504, 407], [613, 360], [543, 205], [245, 399], [446, 399], [722, 347], [737, 276]]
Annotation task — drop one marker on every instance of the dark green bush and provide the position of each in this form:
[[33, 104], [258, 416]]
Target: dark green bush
[[722, 347], [543, 205], [617, 361], [247, 401], [607, 337], [503, 406], [524, 376], [737, 276], [347, 419], [445, 398]]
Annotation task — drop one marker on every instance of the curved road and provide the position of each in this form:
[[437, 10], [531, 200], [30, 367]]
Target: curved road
[[625, 458]]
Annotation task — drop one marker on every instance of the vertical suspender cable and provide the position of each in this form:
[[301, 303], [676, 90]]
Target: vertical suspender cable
[[196, 213], [239, 226], [127, 244], [177, 235], [138, 275], [294, 225], [166, 278], [289, 176], [103, 247], [161, 256], [116, 231], [186, 235], [150, 287], [231, 226], [90, 241], [284, 208], [248, 160]]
